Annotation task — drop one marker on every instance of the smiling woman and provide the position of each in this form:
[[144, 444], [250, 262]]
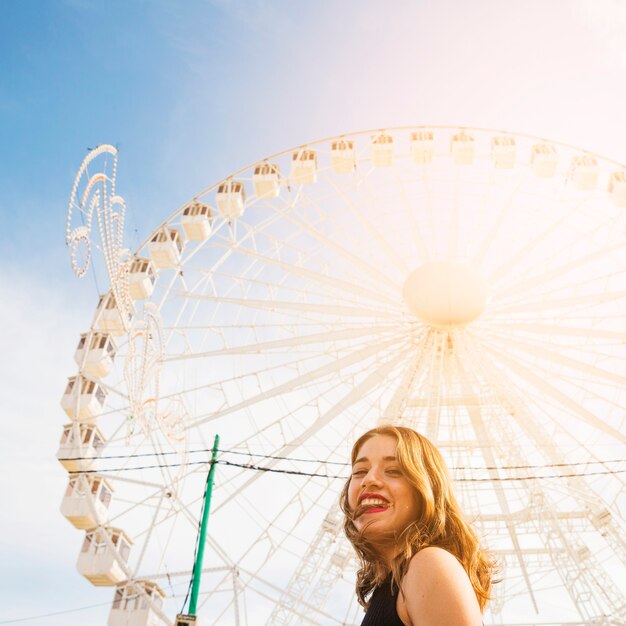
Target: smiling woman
[[403, 520]]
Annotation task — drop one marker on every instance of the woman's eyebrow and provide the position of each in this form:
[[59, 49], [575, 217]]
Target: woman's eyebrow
[[385, 458]]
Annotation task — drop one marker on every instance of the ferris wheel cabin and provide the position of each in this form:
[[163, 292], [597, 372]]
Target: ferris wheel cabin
[[304, 167], [108, 316], [137, 604], [422, 146], [103, 556], [95, 354], [196, 221], [503, 152], [166, 247], [81, 445], [83, 399], [463, 148], [141, 278], [266, 180], [584, 172], [343, 156], [382, 150], [86, 501], [543, 160], [231, 199]]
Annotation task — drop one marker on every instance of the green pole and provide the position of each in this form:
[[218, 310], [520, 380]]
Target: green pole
[[197, 568]]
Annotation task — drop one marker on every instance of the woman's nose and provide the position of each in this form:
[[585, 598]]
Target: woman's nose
[[373, 476]]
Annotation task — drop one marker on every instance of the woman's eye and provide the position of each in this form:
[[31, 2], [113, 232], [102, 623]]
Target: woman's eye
[[395, 472], [358, 472]]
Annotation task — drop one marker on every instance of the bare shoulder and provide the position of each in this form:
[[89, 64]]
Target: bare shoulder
[[436, 590]]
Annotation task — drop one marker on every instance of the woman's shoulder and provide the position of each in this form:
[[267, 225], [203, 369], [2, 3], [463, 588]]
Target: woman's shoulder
[[437, 590], [433, 568], [434, 556]]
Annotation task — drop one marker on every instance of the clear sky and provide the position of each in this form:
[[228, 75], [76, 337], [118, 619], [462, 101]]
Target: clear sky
[[190, 91]]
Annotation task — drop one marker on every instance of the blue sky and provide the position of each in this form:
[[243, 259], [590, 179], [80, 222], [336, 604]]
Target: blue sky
[[191, 91]]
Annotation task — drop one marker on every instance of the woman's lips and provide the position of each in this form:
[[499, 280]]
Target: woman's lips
[[372, 503], [369, 510]]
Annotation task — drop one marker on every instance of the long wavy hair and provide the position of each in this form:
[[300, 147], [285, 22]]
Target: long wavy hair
[[439, 523]]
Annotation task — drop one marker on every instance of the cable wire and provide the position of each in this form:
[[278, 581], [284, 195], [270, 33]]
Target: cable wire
[[340, 463], [320, 475]]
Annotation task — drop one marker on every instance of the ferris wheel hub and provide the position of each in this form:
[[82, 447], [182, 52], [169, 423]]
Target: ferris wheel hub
[[446, 294]]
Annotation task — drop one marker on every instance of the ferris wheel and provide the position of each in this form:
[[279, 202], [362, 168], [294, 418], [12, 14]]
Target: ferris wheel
[[469, 283]]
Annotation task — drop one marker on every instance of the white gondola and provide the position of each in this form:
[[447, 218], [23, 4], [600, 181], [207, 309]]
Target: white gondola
[[342, 557], [463, 148], [166, 246], [503, 152], [382, 150], [342, 156], [141, 278], [543, 160], [196, 221], [304, 167], [584, 171], [86, 501], [103, 556], [95, 354], [422, 146], [137, 603], [108, 316], [231, 199], [83, 399], [617, 187], [81, 445], [601, 518], [266, 180]]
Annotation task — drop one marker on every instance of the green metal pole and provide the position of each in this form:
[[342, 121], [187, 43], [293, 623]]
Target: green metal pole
[[197, 568]]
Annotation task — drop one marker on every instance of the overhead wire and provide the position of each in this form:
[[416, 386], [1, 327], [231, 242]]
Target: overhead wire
[[323, 475], [323, 462]]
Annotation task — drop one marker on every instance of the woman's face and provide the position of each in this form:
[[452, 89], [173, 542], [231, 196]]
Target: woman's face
[[383, 501]]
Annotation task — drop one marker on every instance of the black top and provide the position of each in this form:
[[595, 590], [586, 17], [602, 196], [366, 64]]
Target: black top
[[382, 608]]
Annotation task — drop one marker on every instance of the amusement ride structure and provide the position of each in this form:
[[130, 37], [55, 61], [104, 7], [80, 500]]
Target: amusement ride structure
[[468, 283]]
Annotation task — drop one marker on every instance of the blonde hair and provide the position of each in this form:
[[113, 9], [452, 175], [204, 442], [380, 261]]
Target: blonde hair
[[439, 523]]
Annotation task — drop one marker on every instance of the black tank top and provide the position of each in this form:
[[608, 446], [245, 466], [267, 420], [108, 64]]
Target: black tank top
[[382, 608]]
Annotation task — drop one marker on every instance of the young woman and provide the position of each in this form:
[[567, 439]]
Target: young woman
[[420, 560]]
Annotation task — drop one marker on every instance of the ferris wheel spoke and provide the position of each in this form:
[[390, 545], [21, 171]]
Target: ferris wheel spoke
[[538, 281], [253, 438], [292, 342], [373, 380], [506, 328], [566, 304], [564, 400], [420, 245], [367, 269], [453, 230], [558, 357], [483, 435], [374, 232], [524, 251], [318, 373], [298, 293], [298, 307], [314, 612], [572, 384], [492, 233], [336, 284]]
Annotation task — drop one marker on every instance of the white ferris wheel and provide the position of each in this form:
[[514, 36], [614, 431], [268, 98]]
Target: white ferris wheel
[[468, 283]]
